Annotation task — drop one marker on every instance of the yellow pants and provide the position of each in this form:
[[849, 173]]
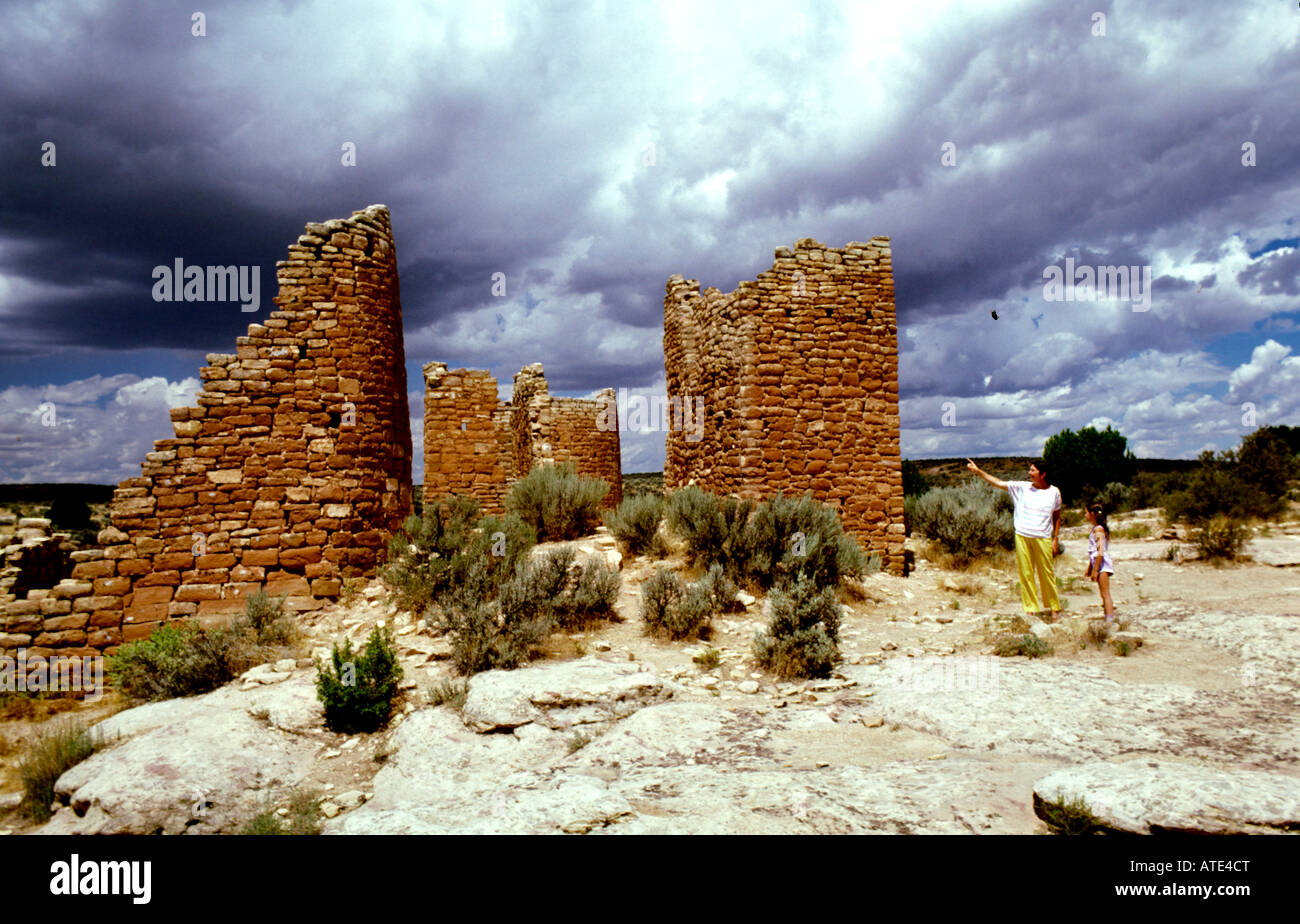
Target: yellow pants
[[1034, 562]]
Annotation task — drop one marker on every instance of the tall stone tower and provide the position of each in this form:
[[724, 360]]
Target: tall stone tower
[[295, 464], [798, 375]]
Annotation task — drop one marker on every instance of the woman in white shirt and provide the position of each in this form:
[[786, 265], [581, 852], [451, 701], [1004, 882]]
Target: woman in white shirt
[[1037, 520]]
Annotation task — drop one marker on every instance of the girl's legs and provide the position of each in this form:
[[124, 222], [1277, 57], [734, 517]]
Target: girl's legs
[[1103, 582]]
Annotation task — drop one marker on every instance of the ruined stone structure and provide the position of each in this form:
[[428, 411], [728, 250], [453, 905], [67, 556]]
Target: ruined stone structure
[[476, 444], [798, 373], [288, 475]]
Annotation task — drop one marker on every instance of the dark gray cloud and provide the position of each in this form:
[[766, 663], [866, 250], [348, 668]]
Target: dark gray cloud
[[590, 151]]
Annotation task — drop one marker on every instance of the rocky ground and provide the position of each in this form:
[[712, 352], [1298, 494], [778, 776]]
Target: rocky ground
[[920, 730]]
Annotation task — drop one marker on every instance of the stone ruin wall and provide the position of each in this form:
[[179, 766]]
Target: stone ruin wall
[[477, 445], [798, 373], [288, 475], [467, 437]]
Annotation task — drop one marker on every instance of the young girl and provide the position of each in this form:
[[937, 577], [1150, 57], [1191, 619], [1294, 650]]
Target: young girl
[[1100, 567]]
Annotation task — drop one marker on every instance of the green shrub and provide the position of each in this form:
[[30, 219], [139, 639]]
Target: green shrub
[[480, 642], [909, 512], [556, 502], [53, 751], [266, 617], [357, 690], [182, 659], [304, 817], [914, 481], [1214, 489], [794, 538], [563, 594], [589, 597], [676, 610], [434, 555], [714, 529], [967, 520], [1028, 644], [1267, 461], [1220, 538], [800, 640], [449, 692], [708, 659], [540, 595], [1068, 817], [1153, 489], [660, 596], [264, 823], [636, 521], [1115, 497]]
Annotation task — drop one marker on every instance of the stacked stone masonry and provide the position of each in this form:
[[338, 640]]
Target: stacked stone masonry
[[287, 476], [798, 374], [477, 445]]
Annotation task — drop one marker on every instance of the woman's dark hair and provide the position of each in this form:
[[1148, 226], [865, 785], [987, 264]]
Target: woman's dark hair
[[1042, 469], [1099, 512]]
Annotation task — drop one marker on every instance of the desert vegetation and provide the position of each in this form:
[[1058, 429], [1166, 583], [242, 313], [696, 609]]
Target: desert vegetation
[[473, 578], [183, 658], [357, 689]]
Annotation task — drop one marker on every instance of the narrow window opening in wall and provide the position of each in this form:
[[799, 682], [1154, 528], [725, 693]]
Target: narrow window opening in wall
[[462, 425], [302, 351], [336, 420], [828, 311]]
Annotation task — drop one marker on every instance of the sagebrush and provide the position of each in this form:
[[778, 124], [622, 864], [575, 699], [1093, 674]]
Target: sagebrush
[[556, 502], [543, 593], [635, 522], [449, 547], [967, 520], [801, 638]]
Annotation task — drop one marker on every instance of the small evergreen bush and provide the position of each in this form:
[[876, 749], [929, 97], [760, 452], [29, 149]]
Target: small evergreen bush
[[556, 502], [357, 690], [636, 521], [800, 640], [967, 520]]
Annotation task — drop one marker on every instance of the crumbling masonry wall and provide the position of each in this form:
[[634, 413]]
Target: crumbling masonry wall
[[288, 474], [798, 374], [467, 437], [477, 445]]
